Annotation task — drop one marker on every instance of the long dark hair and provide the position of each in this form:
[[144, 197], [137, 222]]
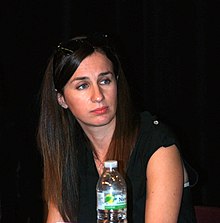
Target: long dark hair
[[59, 134]]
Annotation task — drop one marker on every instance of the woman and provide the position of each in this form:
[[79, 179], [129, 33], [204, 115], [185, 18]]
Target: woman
[[86, 118]]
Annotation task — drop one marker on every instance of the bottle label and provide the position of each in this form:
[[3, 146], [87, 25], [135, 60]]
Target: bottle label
[[115, 200]]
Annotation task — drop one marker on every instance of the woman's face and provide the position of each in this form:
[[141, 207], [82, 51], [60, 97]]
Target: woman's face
[[91, 92]]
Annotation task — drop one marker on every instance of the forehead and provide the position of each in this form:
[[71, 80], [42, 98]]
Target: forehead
[[94, 64]]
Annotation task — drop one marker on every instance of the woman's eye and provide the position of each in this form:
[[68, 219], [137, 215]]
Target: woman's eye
[[105, 81], [82, 86]]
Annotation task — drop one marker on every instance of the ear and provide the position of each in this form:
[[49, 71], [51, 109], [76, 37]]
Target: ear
[[61, 100]]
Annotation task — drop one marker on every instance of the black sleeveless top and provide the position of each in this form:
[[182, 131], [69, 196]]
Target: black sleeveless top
[[152, 136]]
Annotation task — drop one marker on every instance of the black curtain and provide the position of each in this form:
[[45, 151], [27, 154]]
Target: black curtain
[[171, 58]]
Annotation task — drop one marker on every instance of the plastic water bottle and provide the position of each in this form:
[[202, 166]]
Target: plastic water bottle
[[111, 195]]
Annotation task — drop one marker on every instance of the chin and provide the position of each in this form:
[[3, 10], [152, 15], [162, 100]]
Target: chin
[[101, 123], [104, 121]]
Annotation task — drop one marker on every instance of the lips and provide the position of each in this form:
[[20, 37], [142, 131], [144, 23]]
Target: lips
[[101, 110]]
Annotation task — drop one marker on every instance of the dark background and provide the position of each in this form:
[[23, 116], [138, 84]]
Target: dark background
[[172, 50]]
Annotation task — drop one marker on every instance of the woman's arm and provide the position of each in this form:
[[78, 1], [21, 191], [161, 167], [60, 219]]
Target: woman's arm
[[164, 186], [53, 214]]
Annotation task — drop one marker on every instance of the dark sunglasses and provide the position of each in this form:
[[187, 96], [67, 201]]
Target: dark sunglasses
[[95, 40]]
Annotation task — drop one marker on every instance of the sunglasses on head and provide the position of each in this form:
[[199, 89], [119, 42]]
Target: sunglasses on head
[[95, 40]]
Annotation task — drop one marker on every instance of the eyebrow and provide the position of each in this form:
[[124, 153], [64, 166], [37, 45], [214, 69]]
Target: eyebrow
[[85, 77]]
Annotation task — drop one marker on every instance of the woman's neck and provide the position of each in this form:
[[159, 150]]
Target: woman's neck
[[100, 137]]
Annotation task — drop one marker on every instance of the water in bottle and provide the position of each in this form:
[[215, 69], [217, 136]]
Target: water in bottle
[[111, 195]]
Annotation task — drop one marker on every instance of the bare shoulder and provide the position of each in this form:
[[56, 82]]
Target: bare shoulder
[[164, 185], [165, 158]]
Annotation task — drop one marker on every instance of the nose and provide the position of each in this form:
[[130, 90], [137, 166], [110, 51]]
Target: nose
[[97, 94]]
